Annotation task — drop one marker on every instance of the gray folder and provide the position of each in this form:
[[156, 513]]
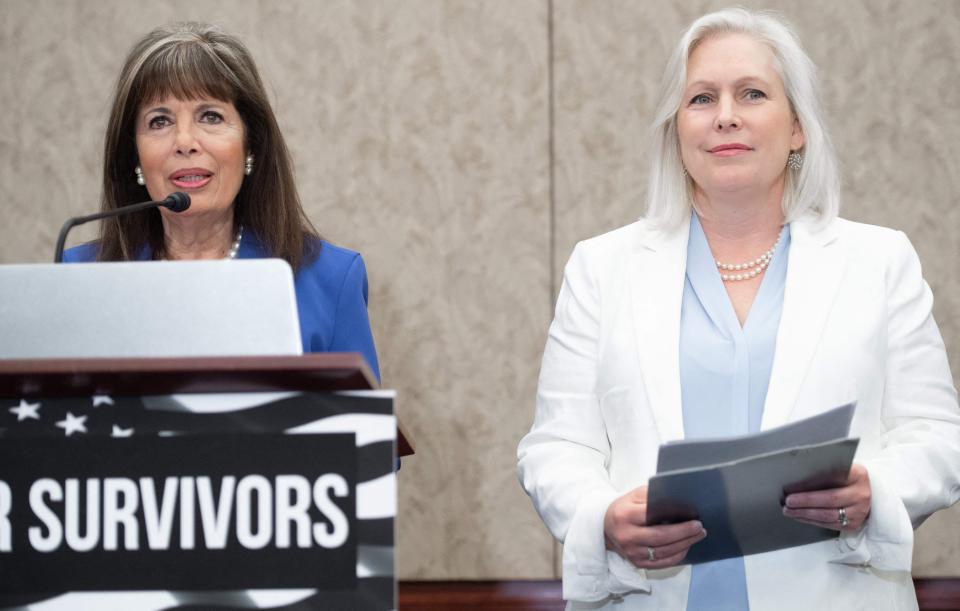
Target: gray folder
[[736, 486]]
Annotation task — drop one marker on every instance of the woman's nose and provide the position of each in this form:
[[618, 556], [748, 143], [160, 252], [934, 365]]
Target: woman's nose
[[727, 117], [186, 141]]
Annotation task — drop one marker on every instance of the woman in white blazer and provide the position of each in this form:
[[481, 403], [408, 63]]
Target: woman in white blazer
[[740, 303]]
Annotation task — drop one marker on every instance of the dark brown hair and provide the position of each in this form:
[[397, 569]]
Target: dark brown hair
[[188, 61]]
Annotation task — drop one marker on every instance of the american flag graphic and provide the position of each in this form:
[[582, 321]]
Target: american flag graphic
[[367, 414]]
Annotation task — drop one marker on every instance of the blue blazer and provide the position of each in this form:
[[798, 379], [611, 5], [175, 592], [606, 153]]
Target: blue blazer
[[331, 296]]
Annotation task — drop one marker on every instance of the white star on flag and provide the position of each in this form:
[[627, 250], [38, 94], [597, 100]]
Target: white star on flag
[[26, 410], [119, 432], [102, 400], [73, 424]]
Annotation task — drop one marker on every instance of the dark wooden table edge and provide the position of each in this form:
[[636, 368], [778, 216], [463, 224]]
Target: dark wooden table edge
[[63, 377], [933, 594]]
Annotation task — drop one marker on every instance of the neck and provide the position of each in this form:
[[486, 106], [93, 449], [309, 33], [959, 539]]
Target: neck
[[197, 238], [740, 226]]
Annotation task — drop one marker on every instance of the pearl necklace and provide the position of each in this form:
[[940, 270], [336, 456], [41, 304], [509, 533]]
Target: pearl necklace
[[750, 269], [235, 248]]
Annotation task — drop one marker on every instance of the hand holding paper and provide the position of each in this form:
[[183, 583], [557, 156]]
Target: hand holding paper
[[822, 507], [647, 547]]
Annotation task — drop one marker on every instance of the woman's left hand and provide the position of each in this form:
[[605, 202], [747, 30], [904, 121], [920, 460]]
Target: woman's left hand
[[823, 507]]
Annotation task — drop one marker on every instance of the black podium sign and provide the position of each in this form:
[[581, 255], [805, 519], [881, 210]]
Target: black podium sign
[[258, 500]]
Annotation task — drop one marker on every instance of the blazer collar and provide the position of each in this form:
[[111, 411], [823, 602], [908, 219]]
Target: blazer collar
[[656, 279], [814, 273]]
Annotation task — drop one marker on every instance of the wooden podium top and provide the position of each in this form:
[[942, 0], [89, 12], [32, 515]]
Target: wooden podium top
[[317, 372], [162, 376]]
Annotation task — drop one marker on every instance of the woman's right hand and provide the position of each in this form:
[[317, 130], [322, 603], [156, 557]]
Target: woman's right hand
[[626, 531]]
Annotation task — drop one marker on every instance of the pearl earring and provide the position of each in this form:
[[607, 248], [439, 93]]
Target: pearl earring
[[140, 179], [248, 165], [794, 161]]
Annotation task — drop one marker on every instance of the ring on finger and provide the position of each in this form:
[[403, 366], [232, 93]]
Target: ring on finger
[[651, 554], [842, 517]]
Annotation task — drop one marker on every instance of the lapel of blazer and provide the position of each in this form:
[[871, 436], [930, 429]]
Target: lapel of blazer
[[656, 291], [814, 271]]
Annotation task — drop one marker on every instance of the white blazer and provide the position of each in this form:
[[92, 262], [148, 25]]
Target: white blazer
[[856, 324]]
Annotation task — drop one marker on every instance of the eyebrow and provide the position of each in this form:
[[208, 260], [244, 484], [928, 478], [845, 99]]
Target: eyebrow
[[162, 109], [165, 110], [738, 83]]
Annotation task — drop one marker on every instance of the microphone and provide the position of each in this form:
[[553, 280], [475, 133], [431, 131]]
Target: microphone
[[177, 202]]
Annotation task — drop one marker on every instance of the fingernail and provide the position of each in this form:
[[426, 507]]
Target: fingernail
[[788, 502], [704, 532], [699, 524]]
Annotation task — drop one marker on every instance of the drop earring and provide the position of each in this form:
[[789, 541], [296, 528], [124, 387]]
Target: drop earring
[[140, 179], [248, 165], [794, 161]]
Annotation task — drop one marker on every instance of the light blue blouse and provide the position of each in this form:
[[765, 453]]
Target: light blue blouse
[[724, 374]]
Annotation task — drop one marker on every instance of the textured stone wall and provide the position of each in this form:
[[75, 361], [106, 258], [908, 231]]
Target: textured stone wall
[[464, 147]]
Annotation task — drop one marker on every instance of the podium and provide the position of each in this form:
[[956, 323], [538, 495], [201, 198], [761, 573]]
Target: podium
[[235, 482]]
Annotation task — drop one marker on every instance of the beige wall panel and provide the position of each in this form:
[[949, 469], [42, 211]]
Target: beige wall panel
[[424, 144], [420, 133], [891, 82]]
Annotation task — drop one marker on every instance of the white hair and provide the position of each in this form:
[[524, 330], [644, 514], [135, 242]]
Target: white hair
[[814, 189]]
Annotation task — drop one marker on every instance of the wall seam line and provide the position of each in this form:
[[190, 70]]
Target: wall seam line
[[551, 154], [551, 158]]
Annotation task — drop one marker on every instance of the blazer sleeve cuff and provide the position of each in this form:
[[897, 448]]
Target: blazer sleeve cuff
[[590, 571], [886, 540]]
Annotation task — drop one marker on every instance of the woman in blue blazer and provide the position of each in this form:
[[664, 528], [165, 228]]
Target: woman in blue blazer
[[190, 114]]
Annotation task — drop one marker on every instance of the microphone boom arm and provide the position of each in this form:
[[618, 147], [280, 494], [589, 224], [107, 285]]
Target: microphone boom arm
[[178, 202]]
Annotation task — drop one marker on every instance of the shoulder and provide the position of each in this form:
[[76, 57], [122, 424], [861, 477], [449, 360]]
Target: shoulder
[[611, 254], [858, 239], [332, 266], [331, 259], [874, 243], [84, 253], [600, 264], [870, 251], [866, 234], [619, 242]]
